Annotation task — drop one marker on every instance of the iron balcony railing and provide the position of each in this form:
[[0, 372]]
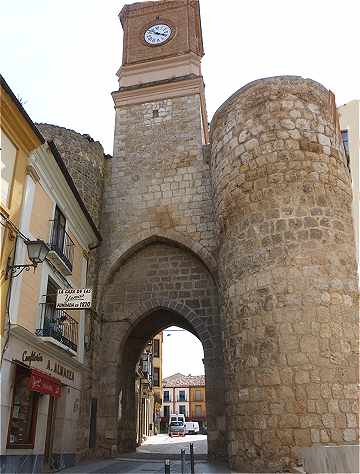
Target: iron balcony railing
[[59, 325], [61, 243]]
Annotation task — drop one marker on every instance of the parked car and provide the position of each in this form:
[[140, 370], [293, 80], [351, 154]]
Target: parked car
[[176, 428], [192, 427]]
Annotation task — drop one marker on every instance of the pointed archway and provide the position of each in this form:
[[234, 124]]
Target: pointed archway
[[158, 285]]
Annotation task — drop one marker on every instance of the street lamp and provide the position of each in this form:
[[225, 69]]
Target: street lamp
[[37, 252]]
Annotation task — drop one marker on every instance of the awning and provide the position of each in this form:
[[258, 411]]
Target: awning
[[44, 383]]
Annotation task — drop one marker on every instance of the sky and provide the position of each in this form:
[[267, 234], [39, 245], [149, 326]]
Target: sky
[[61, 57], [182, 352]]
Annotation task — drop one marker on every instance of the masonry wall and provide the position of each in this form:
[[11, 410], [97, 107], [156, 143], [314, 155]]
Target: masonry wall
[[282, 196], [159, 286], [159, 181], [85, 161], [157, 198]]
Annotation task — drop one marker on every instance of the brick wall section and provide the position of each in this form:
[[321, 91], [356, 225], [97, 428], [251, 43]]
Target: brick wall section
[[84, 160], [180, 15], [287, 266], [158, 273]]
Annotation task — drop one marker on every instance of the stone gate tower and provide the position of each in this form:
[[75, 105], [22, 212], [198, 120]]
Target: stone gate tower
[[159, 234], [249, 246]]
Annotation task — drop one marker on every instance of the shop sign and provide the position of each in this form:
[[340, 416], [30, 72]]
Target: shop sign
[[74, 298], [60, 370], [52, 366], [31, 357], [43, 383]]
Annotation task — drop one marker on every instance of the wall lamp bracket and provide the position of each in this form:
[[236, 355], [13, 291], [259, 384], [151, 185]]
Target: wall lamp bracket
[[37, 252]]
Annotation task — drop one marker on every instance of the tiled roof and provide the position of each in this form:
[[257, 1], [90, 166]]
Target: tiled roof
[[180, 380]]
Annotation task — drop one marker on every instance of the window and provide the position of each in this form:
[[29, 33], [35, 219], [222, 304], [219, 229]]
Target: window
[[61, 242], [58, 233], [182, 409], [166, 396], [24, 411], [8, 159], [198, 410], [182, 397], [345, 139], [166, 411], [50, 316], [156, 377], [156, 348], [198, 395]]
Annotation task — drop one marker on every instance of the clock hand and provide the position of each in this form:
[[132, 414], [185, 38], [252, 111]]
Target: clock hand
[[162, 34]]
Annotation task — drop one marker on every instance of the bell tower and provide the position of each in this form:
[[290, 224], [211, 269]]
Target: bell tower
[[162, 51]]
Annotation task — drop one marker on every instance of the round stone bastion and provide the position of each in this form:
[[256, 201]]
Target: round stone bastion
[[287, 267]]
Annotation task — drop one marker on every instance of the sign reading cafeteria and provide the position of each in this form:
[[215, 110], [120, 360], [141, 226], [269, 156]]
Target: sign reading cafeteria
[[74, 298]]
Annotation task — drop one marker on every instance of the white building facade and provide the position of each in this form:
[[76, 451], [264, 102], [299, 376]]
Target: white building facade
[[349, 117], [43, 358], [175, 400]]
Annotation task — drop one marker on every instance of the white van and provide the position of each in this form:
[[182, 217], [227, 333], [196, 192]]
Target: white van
[[173, 417], [192, 427], [181, 418]]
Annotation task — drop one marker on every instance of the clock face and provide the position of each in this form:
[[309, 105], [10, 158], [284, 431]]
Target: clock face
[[157, 34]]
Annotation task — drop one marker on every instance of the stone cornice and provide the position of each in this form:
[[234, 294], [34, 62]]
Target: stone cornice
[[159, 64], [161, 90], [30, 170], [16, 126]]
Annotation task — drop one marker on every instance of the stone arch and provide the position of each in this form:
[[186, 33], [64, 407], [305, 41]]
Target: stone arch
[[156, 284], [140, 240], [196, 327], [150, 324]]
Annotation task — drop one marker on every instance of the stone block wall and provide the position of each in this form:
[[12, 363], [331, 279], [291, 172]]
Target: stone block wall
[[85, 161], [282, 197], [157, 217], [159, 183], [159, 285]]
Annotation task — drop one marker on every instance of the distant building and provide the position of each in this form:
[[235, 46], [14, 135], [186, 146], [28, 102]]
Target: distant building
[[148, 389], [144, 395], [157, 378], [197, 401], [349, 117], [184, 394]]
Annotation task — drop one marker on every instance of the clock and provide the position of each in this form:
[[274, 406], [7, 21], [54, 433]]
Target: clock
[[158, 34]]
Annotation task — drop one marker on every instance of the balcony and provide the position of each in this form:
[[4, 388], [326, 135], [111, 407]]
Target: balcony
[[58, 327], [62, 248]]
